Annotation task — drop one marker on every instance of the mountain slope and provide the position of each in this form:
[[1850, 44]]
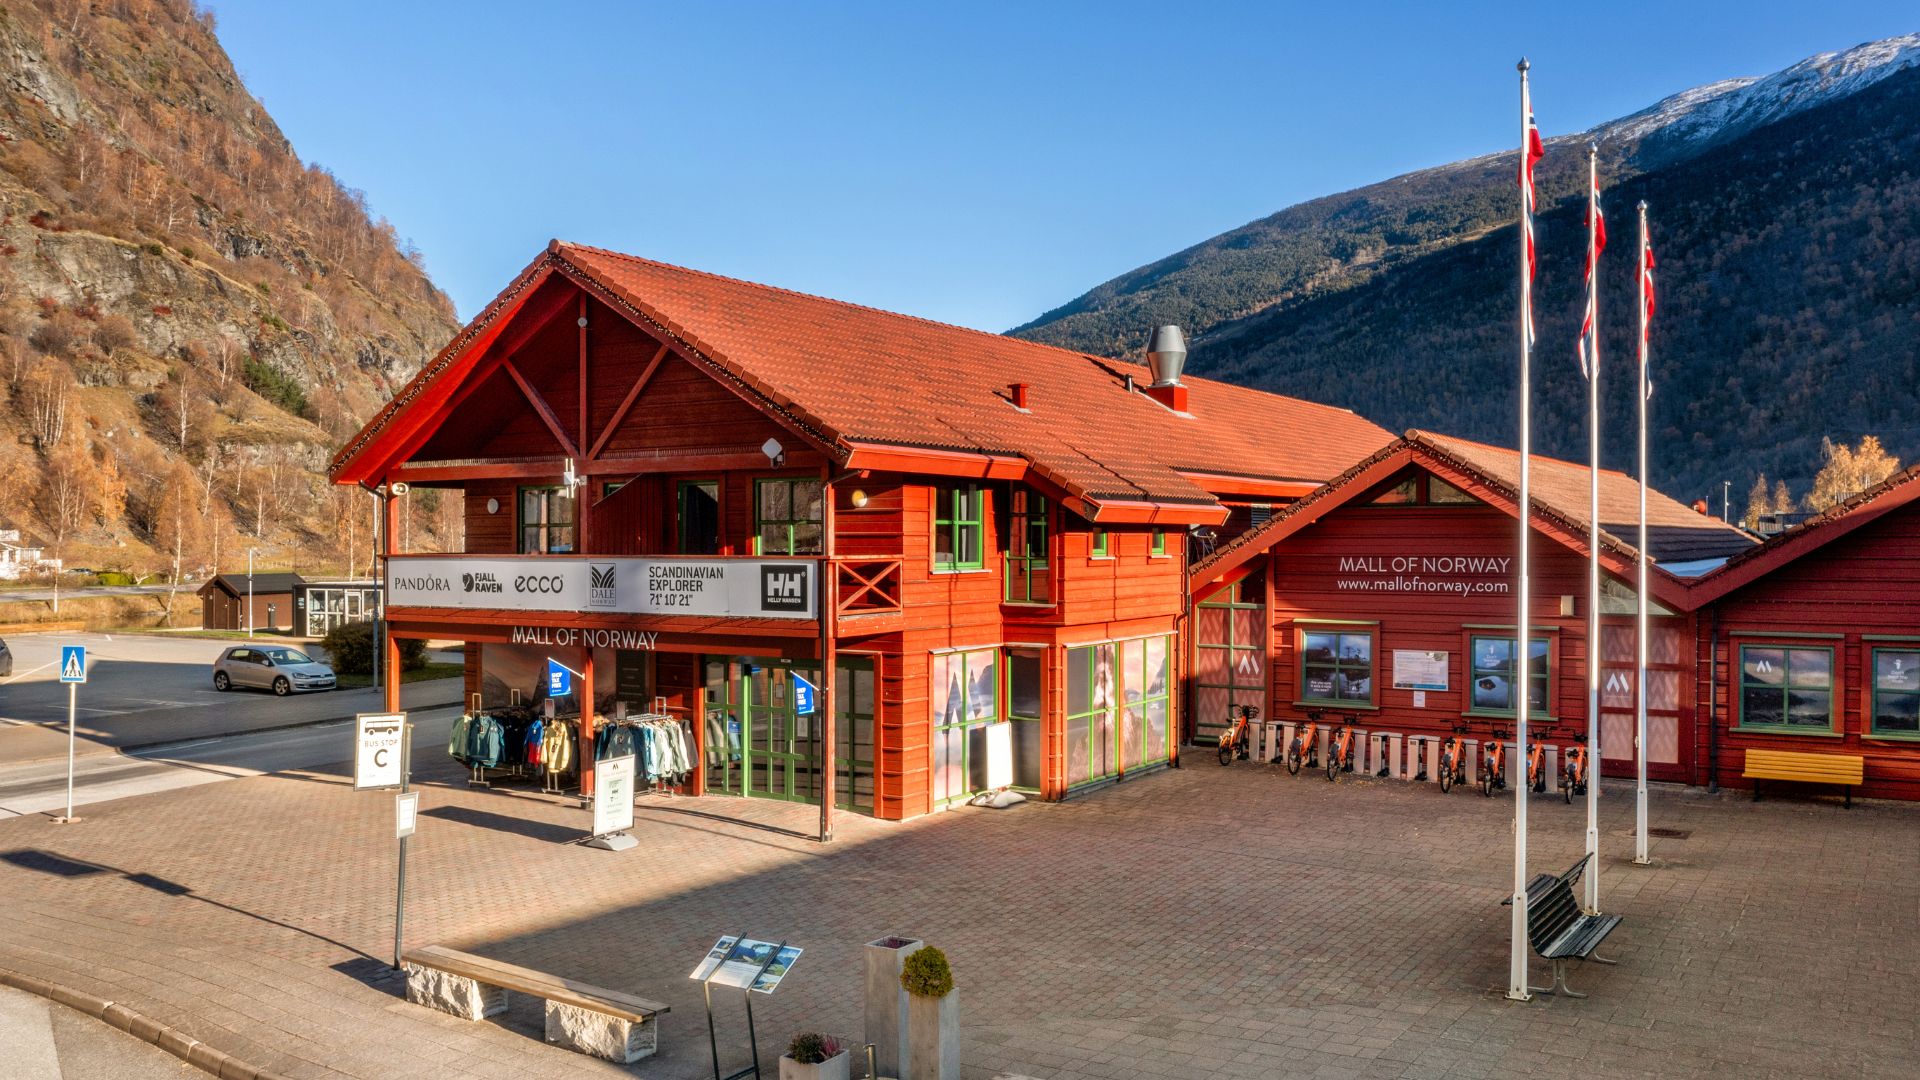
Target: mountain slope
[[188, 312], [1767, 192]]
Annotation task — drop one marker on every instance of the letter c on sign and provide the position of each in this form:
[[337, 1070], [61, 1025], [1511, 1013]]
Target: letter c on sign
[[380, 758]]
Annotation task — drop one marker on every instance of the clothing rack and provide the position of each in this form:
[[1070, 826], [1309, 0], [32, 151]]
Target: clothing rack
[[662, 745], [516, 742]]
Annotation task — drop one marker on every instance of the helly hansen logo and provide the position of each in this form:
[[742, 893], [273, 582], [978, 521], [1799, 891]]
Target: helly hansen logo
[[601, 590], [783, 587]]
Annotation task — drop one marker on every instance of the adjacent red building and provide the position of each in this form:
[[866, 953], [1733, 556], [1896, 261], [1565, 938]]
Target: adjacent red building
[[692, 489], [1811, 642]]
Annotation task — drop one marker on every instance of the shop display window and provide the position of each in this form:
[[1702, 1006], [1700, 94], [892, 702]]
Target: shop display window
[[965, 700], [1336, 667], [1786, 688], [1896, 692], [1494, 669]]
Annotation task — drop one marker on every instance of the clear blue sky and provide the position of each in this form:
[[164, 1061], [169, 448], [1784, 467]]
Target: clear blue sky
[[971, 163]]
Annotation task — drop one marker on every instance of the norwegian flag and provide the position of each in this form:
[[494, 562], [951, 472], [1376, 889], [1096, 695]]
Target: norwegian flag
[[1597, 243], [1530, 153], [1646, 317]]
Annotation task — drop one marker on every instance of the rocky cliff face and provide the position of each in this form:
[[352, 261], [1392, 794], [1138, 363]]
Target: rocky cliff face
[[187, 310]]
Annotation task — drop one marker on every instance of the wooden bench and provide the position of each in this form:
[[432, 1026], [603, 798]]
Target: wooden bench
[[1558, 930], [1846, 770], [589, 1019]]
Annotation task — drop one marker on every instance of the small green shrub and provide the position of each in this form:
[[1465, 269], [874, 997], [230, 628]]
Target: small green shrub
[[186, 253], [812, 1048], [349, 649], [926, 974], [156, 249], [265, 289], [275, 386]]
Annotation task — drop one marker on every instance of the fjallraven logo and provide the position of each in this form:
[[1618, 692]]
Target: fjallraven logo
[[601, 590], [480, 582], [783, 587]]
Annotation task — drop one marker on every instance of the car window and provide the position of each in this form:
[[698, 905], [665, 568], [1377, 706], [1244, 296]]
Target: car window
[[289, 656], [240, 655]]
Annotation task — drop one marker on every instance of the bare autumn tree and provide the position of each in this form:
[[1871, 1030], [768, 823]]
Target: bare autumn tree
[[184, 412], [1759, 502], [69, 496], [180, 531], [1849, 471], [46, 392]]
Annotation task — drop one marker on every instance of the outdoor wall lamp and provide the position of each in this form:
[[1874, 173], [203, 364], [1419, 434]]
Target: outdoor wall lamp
[[858, 498]]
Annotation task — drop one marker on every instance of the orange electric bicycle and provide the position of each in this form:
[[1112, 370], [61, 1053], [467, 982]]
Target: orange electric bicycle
[[1575, 781], [1235, 740], [1537, 761], [1493, 773], [1453, 759], [1340, 747], [1305, 748]]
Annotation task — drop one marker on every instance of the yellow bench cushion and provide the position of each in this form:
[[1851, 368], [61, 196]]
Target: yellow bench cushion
[[1847, 769]]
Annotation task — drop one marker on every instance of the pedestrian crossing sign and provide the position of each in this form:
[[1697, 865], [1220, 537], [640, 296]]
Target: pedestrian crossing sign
[[73, 663]]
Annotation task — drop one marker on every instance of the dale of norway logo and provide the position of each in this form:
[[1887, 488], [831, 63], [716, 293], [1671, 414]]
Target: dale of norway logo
[[602, 592]]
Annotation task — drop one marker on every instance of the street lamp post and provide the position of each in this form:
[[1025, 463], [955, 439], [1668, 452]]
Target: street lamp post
[[249, 592]]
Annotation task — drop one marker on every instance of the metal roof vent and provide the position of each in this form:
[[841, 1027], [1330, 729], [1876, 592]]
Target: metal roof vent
[[1166, 358], [1166, 355]]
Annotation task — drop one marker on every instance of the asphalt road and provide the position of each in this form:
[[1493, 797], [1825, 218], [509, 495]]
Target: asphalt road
[[41, 596], [44, 1040], [144, 690], [41, 787]]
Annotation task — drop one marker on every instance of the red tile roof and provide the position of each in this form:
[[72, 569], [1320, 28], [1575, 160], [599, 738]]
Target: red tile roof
[[1558, 489], [856, 375]]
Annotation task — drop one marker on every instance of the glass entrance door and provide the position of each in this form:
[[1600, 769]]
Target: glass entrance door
[[758, 746], [781, 742]]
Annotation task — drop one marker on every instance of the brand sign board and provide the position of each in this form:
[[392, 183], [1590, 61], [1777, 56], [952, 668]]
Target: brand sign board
[[1438, 575], [806, 696], [559, 679], [378, 749], [613, 795], [726, 588]]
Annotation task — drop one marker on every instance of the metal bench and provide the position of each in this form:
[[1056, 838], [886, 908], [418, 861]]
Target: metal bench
[[1559, 931], [582, 1017], [1846, 770]]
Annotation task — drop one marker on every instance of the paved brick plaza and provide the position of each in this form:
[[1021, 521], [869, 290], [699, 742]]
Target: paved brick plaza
[[1205, 922]]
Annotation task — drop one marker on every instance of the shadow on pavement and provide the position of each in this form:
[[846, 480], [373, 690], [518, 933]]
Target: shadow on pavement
[[47, 862], [486, 819]]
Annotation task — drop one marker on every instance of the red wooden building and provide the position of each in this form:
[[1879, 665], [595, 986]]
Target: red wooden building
[[1811, 642], [1388, 595], [691, 488]]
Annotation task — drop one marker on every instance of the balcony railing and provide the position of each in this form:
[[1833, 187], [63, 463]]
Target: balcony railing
[[867, 585], [1029, 580]]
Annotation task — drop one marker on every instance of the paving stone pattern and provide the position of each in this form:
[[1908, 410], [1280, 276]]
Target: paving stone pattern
[[1196, 923]]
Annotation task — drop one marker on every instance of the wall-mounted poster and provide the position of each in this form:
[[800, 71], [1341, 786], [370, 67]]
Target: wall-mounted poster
[[1419, 669]]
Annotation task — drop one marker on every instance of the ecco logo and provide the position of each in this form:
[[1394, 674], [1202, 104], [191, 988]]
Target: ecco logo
[[783, 587], [540, 583], [480, 582]]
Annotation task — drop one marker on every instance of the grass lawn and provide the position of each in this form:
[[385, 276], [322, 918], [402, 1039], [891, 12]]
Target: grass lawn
[[431, 671], [282, 636]]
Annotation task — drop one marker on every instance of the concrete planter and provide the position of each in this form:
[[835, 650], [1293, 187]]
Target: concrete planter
[[887, 1022], [837, 1067], [933, 1037]]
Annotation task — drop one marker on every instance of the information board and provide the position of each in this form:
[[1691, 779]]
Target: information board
[[747, 963], [613, 795], [1419, 669]]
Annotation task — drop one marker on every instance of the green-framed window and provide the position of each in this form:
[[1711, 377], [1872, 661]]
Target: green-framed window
[[966, 698], [1494, 668], [1101, 543], [1159, 543], [1336, 666], [1896, 693], [1028, 539], [959, 533], [786, 516], [1145, 702], [546, 521], [1786, 688], [1090, 708]]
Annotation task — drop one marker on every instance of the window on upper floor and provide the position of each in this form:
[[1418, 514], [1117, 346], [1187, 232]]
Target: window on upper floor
[[959, 533], [786, 516], [546, 521]]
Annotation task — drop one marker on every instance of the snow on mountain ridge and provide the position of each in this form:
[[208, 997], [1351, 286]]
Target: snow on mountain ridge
[[1722, 110]]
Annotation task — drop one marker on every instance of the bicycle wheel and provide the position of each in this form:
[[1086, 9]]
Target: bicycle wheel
[[1446, 771], [1333, 762], [1486, 780], [1226, 753], [1293, 758], [1566, 787]]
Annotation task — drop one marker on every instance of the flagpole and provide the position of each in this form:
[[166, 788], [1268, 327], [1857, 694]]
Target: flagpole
[[1522, 688], [1640, 614], [1594, 647]]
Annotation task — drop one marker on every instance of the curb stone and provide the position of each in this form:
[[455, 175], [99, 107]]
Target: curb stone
[[142, 1027]]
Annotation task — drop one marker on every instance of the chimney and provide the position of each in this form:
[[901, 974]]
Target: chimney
[[1700, 507], [1166, 358], [1017, 393]]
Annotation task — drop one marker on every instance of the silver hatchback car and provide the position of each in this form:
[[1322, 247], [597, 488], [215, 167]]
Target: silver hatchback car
[[277, 668]]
